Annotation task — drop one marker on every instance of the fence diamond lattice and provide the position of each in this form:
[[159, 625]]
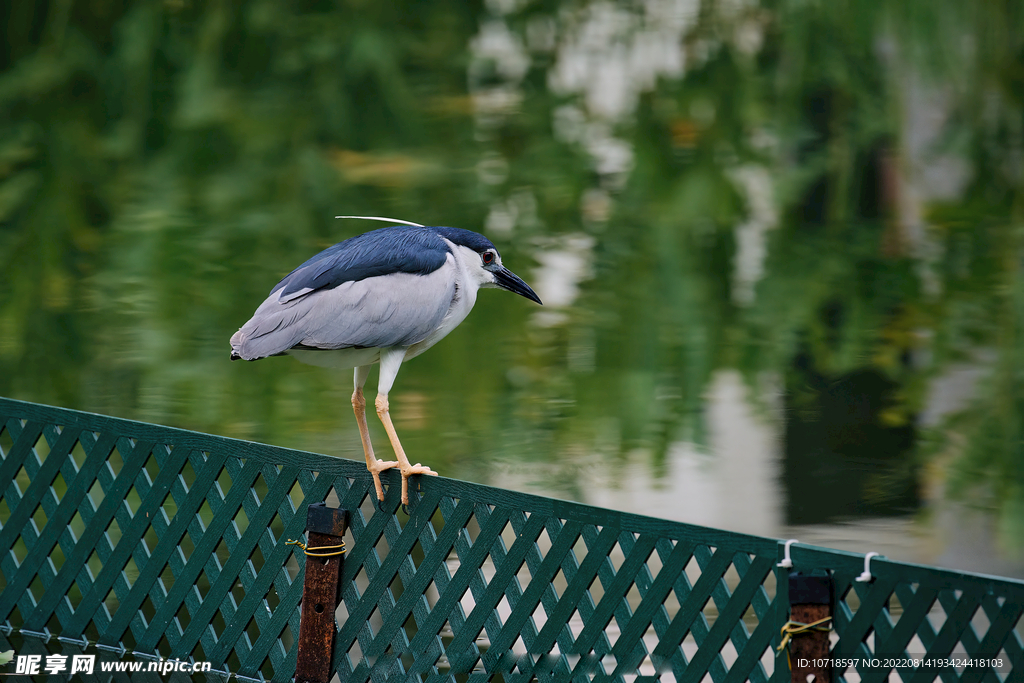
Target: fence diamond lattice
[[147, 541]]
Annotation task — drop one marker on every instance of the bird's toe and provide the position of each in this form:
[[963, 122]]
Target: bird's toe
[[381, 465]]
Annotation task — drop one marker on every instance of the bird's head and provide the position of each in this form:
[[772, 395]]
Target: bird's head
[[483, 262]]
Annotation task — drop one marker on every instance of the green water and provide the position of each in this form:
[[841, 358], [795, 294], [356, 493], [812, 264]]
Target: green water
[[822, 200]]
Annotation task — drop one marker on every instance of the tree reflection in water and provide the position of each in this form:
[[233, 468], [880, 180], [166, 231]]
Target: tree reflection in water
[[828, 195]]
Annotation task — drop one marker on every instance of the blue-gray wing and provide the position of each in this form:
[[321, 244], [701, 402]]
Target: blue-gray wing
[[396, 249], [398, 309]]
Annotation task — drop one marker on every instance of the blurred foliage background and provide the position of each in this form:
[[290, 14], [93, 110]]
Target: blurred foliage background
[[823, 196]]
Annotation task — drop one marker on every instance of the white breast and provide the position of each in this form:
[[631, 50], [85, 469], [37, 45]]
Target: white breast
[[467, 285]]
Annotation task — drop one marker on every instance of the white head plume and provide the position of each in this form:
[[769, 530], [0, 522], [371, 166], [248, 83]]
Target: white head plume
[[387, 220]]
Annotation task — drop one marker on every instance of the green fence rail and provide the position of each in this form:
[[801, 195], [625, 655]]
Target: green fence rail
[[142, 541]]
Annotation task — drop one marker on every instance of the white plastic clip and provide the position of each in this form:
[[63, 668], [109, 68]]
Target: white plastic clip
[[787, 561], [866, 575]]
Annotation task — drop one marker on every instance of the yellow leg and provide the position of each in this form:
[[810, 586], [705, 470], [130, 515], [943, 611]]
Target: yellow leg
[[403, 462], [372, 463]]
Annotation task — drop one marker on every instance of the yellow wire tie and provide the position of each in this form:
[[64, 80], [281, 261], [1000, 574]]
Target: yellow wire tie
[[310, 552], [794, 628]]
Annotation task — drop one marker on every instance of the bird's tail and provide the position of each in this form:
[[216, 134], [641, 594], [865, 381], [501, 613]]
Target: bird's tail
[[272, 330], [236, 345]]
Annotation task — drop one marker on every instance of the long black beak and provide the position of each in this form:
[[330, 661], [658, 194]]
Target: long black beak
[[506, 279]]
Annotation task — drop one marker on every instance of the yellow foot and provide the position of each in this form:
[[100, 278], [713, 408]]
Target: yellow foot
[[409, 471], [375, 469]]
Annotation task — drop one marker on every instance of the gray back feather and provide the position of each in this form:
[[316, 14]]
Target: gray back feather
[[398, 309]]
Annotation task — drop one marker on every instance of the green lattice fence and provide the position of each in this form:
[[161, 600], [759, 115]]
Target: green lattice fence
[[137, 540]]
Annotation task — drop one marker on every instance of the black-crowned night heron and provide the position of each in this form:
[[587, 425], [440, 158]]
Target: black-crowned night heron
[[381, 297]]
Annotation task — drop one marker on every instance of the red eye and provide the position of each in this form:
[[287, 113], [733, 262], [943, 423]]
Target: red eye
[[488, 257]]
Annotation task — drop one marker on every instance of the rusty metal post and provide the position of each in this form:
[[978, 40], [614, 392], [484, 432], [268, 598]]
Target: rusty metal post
[[810, 600], [321, 592]]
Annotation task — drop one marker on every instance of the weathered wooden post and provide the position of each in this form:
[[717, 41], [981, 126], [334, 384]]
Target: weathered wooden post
[[810, 615], [325, 529]]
